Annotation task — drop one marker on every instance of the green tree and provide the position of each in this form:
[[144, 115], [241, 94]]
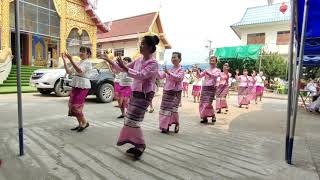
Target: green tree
[[273, 65]]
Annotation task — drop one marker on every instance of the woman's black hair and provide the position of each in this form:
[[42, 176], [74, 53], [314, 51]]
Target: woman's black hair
[[178, 54], [215, 58], [127, 59], [152, 41], [86, 50]]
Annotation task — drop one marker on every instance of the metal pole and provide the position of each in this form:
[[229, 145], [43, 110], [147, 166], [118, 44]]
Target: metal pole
[[290, 74], [18, 61], [301, 54], [209, 50], [260, 63]]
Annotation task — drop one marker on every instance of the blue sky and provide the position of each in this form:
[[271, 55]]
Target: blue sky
[[187, 24]]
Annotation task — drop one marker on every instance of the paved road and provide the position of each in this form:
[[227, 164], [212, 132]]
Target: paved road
[[244, 144]]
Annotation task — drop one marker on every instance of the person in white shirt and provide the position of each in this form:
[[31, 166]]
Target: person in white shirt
[[312, 88], [125, 90], [259, 86], [186, 82], [80, 85], [196, 86]]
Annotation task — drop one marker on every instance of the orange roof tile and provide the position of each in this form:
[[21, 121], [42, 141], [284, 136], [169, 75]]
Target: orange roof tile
[[130, 25]]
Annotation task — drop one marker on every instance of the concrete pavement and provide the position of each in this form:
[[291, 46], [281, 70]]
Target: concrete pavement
[[244, 144]]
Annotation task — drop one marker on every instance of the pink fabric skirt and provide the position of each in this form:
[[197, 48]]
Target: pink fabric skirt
[[196, 90], [76, 102], [131, 132], [125, 91], [206, 99], [185, 86], [132, 136], [169, 109], [243, 98], [124, 94], [116, 90], [252, 93], [259, 90], [221, 97], [221, 103]]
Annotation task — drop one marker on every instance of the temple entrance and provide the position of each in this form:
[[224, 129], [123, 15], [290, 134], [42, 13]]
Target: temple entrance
[[40, 31], [24, 48]]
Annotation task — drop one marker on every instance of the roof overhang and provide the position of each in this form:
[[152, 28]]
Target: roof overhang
[[90, 11], [162, 36], [236, 28]]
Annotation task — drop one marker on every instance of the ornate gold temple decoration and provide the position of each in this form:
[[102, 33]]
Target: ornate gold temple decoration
[[39, 59], [5, 24], [4, 55]]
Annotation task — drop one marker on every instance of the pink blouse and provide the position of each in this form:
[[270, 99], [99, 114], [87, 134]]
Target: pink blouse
[[223, 79], [144, 74], [210, 76], [244, 80], [173, 79], [252, 81]]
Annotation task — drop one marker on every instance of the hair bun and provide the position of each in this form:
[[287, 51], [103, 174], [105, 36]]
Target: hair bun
[[155, 39]]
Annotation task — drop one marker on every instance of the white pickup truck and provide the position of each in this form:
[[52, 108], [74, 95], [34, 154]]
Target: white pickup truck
[[48, 81]]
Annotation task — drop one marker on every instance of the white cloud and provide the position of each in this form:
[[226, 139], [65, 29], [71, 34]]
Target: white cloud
[[187, 24]]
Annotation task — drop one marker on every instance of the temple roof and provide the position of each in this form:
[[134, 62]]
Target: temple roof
[[90, 11]]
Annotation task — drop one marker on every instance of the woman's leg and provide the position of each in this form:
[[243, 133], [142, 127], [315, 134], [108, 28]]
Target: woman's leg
[[151, 107], [84, 123]]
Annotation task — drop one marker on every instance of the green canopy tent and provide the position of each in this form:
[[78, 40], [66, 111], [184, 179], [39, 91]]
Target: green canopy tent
[[240, 54], [249, 52]]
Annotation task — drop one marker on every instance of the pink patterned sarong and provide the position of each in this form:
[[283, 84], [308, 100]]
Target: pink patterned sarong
[[206, 99], [221, 97], [76, 102], [169, 109]]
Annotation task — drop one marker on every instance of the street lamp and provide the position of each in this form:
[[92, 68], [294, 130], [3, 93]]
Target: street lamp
[[210, 49]]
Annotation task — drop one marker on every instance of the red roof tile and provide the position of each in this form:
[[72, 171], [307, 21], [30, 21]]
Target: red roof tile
[[131, 25]]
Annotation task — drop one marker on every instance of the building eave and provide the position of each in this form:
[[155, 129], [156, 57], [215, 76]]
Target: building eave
[[94, 17], [233, 28]]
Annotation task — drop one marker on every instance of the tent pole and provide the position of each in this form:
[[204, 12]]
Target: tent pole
[[301, 55], [18, 61], [260, 64], [290, 74]]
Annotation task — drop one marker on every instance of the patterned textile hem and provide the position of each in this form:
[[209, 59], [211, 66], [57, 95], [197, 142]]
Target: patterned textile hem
[[206, 99], [169, 108], [243, 98], [221, 103], [132, 143]]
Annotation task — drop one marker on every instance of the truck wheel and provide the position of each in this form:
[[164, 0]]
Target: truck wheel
[[105, 93], [44, 91], [59, 91]]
